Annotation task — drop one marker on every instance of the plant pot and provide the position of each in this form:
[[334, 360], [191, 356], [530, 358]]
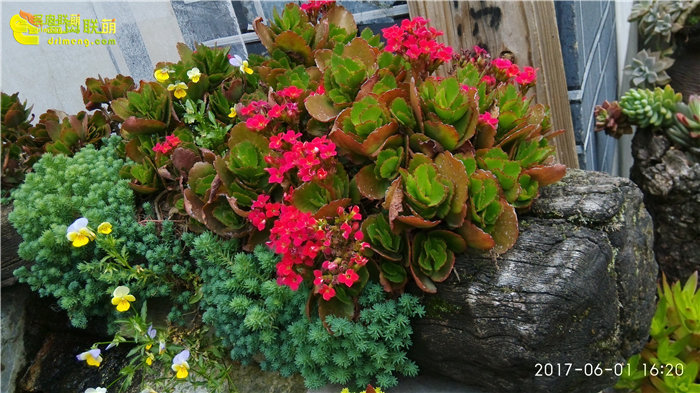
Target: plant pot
[[575, 293]]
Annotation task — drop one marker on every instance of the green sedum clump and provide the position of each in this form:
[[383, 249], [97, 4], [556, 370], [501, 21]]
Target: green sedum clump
[[263, 321], [62, 189], [670, 361]]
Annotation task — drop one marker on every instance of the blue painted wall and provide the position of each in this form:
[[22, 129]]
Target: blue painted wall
[[587, 36]]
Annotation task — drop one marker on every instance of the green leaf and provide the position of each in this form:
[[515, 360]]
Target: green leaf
[[393, 272], [321, 108], [310, 197], [403, 113], [369, 185]]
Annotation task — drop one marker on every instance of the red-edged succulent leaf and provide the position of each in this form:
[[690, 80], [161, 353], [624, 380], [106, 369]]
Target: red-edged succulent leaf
[[310, 197], [350, 142], [336, 308], [485, 137], [323, 58], [220, 218], [321, 108], [505, 231], [183, 159], [453, 169], [366, 88], [295, 46], [341, 17], [133, 151], [264, 33], [422, 281], [393, 202], [417, 222], [445, 134], [359, 49], [193, 205], [392, 269], [143, 188], [134, 125], [415, 102], [369, 185], [518, 132], [476, 237], [546, 175], [331, 208], [434, 246]]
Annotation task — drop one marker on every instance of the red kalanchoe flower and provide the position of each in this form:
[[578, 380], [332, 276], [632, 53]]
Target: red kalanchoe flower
[[318, 277], [348, 278], [315, 5], [257, 122], [292, 92], [413, 39], [479, 51], [307, 157], [171, 141], [161, 148], [501, 63], [527, 76], [488, 79], [327, 292], [275, 111], [513, 70], [487, 119]]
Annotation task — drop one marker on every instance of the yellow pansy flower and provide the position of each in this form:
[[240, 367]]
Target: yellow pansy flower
[[91, 357], [121, 298], [245, 68], [78, 232], [149, 358], [232, 114], [194, 74], [180, 365], [105, 228], [162, 74], [179, 88]]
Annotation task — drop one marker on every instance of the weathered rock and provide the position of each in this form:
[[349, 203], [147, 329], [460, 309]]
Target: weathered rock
[[12, 325], [10, 242], [577, 288], [670, 182]]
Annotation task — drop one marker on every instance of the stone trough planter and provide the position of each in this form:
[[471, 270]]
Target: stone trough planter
[[578, 288]]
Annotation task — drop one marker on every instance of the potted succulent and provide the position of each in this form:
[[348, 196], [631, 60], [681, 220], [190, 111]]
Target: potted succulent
[[668, 39], [666, 149]]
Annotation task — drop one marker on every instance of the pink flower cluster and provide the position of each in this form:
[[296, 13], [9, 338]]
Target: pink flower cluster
[[295, 235], [315, 5], [526, 76], [413, 39], [171, 141], [487, 119], [309, 158], [258, 114], [301, 239], [342, 270], [292, 92]]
